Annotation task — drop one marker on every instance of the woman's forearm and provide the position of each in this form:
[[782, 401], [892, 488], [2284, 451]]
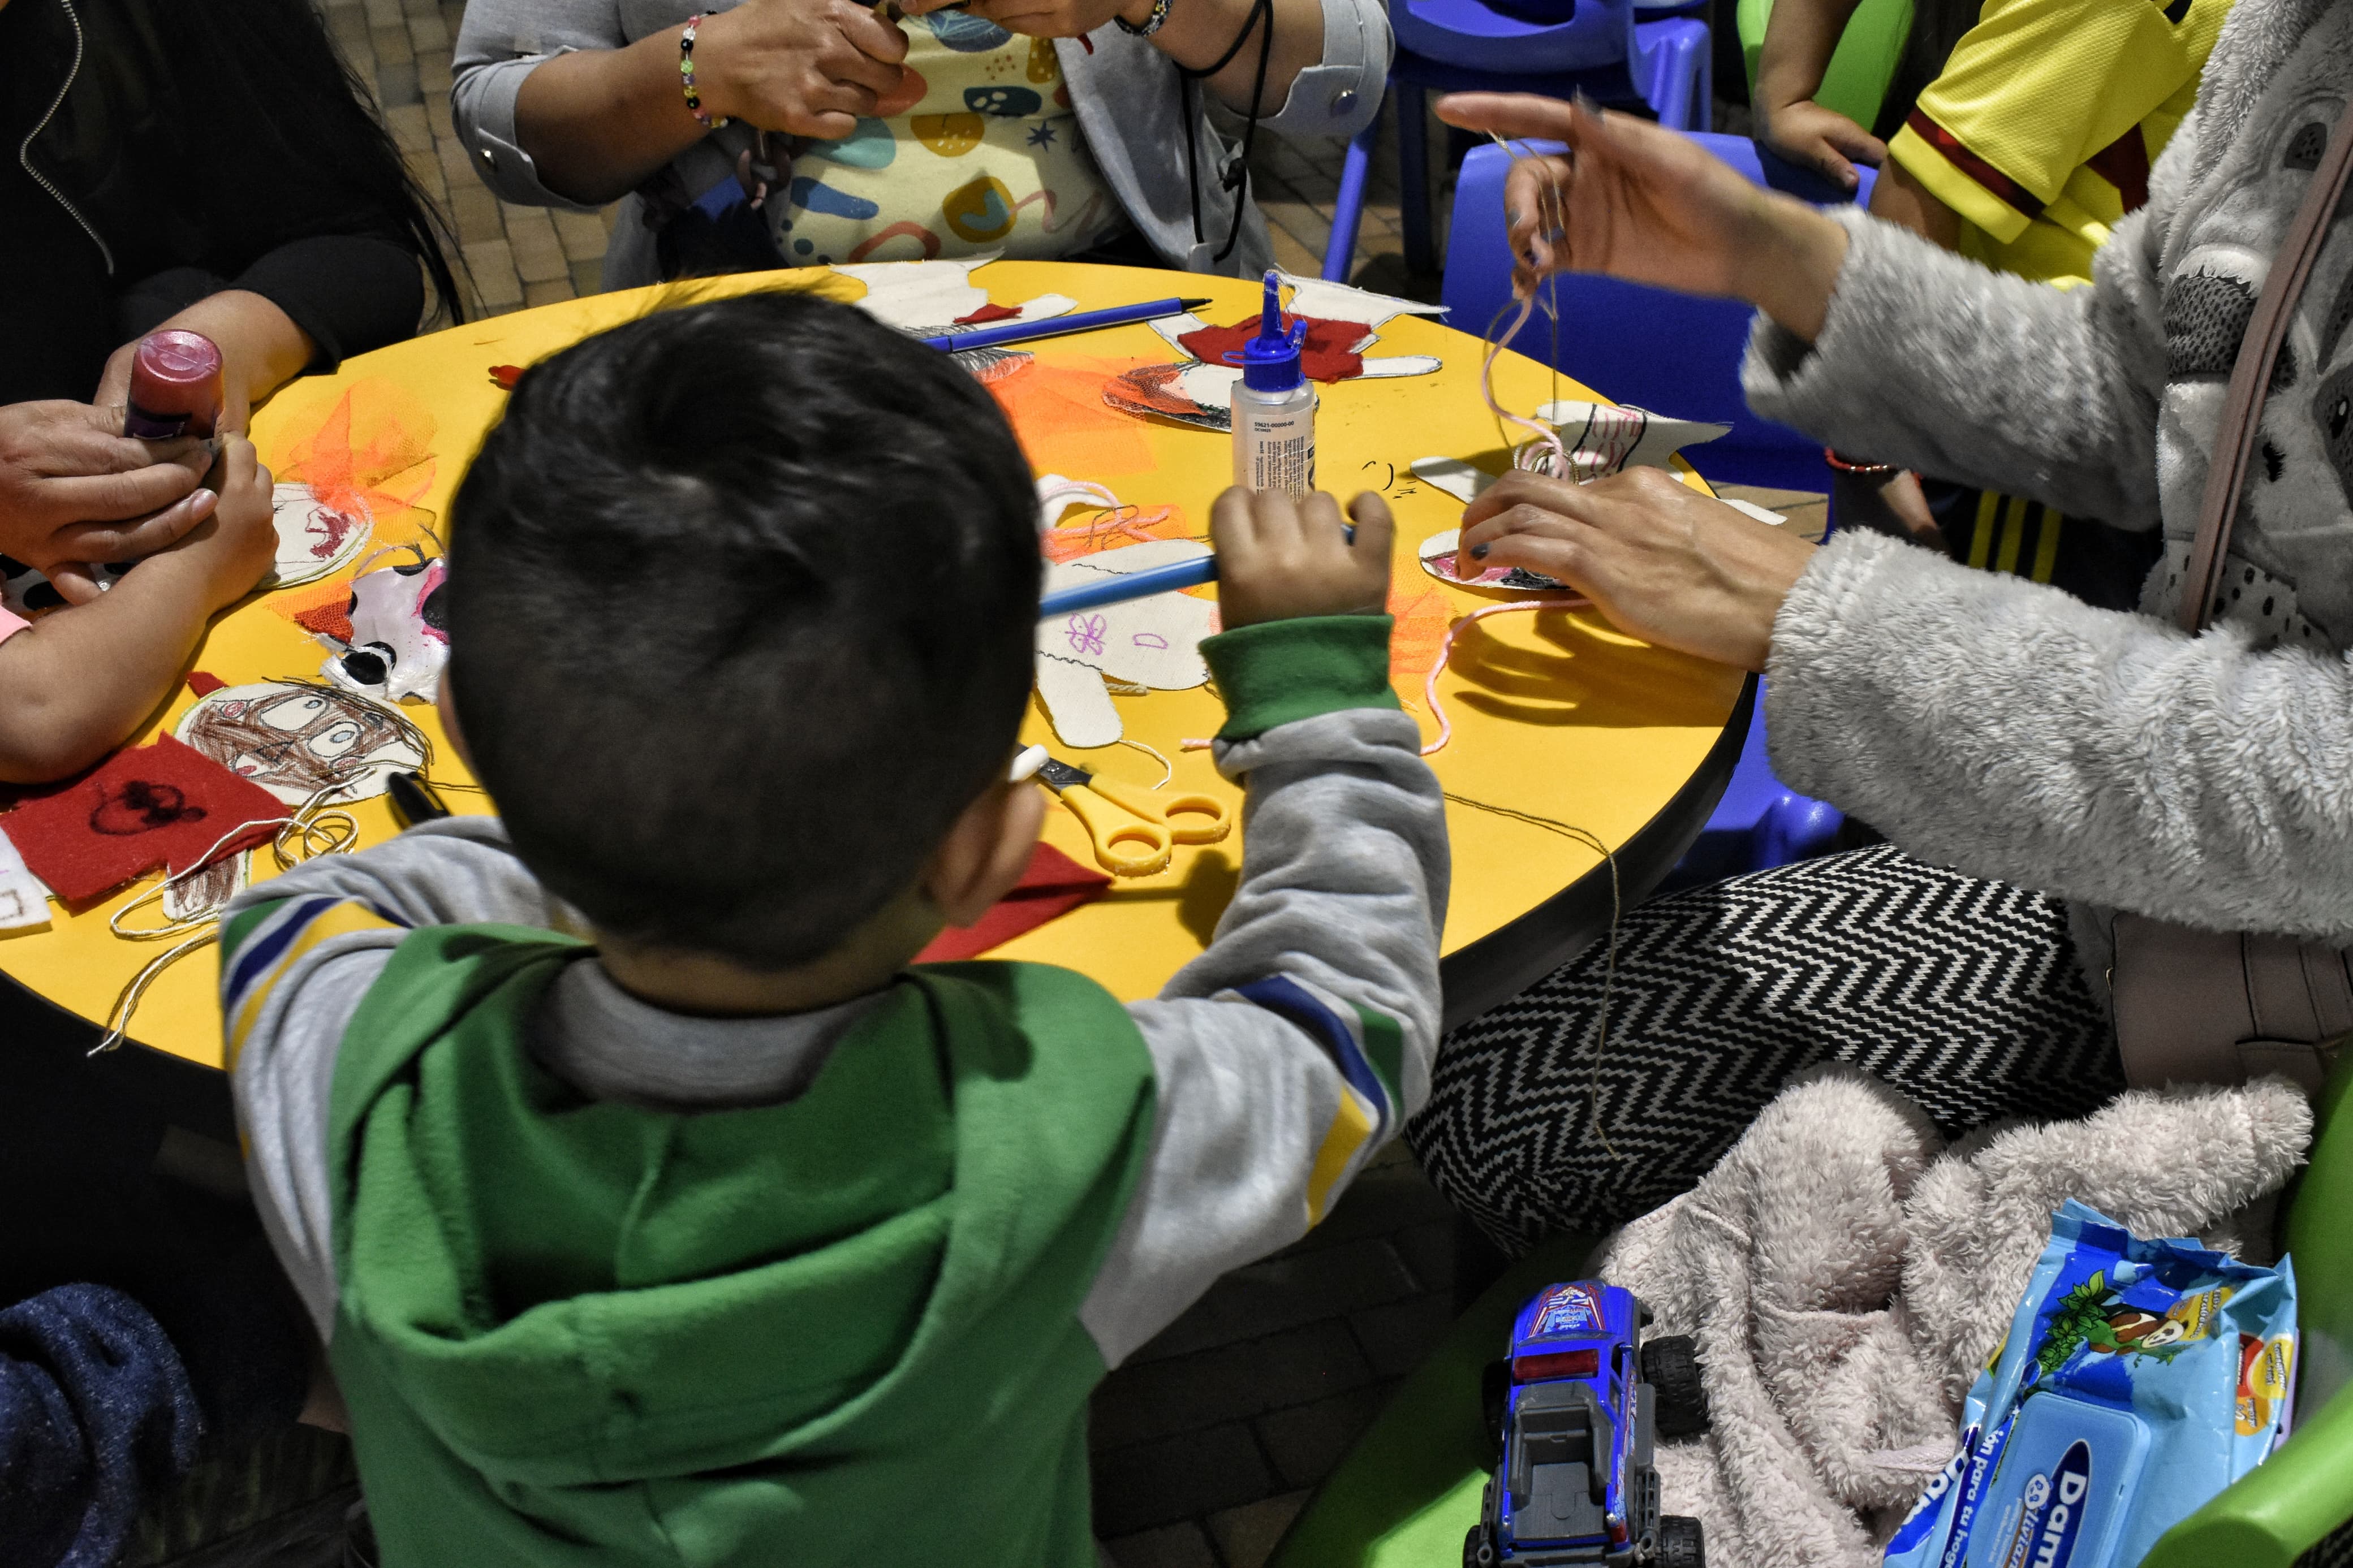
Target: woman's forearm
[[1791, 263], [1198, 31], [598, 122]]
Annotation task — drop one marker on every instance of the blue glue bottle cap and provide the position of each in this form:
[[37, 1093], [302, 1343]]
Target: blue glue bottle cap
[[1271, 359]]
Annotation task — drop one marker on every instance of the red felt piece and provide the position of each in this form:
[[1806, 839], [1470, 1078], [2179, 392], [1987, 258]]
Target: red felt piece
[[987, 314], [1329, 353], [164, 806], [204, 682], [333, 620], [1051, 888], [506, 376]]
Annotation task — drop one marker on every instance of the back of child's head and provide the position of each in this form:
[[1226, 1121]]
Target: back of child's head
[[742, 599]]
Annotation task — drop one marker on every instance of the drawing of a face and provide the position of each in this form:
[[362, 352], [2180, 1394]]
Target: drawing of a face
[[294, 740], [313, 538]]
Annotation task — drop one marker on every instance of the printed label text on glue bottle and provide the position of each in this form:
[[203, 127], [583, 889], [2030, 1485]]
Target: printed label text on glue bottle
[[1274, 406]]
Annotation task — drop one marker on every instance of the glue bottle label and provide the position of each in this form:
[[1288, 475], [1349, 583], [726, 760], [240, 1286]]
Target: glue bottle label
[[1274, 442]]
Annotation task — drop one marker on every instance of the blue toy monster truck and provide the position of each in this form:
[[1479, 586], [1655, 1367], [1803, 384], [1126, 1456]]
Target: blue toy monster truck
[[1577, 1407]]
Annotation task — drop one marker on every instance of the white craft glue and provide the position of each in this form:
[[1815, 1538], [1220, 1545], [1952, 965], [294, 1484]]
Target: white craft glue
[[1275, 408]]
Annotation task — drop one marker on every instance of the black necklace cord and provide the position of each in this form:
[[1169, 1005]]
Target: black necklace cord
[[1235, 176]]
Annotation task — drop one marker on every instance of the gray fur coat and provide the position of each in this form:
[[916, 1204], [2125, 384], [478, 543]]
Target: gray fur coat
[[2006, 729]]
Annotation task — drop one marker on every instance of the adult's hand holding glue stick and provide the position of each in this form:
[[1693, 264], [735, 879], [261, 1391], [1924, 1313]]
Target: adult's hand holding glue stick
[[177, 395], [74, 489]]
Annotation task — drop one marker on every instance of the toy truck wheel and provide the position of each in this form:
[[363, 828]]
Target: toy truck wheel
[[1680, 1545], [1671, 1366], [1494, 1392], [1476, 1550]]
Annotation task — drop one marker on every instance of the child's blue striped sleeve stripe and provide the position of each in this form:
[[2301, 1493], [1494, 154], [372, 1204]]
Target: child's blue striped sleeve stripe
[[1368, 1056], [261, 945]]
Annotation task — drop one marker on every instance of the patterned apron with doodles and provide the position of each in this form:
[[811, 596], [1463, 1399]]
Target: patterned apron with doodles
[[978, 151]]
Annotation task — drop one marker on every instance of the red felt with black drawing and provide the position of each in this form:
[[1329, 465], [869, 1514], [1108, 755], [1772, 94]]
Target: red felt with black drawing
[[163, 807]]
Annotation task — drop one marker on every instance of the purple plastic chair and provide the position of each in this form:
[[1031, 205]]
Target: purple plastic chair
[[1558, 47]]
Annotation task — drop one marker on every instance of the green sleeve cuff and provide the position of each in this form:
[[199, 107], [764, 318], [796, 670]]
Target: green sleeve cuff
[[1279, 672]]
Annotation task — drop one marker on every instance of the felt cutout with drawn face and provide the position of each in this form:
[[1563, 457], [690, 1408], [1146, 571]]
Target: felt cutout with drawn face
[[399, 642], [314, 538], [295, 738], [1153, 642]]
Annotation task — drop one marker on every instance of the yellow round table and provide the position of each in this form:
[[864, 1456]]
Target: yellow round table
[[1559, 722]]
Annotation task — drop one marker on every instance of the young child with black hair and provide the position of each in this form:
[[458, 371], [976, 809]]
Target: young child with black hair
[[734, 1237]]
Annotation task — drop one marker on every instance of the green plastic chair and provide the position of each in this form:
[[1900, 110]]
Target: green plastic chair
[[1403, 1497], [1860, 68]]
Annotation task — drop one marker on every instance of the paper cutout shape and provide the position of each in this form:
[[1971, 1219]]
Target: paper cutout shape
[[194, 898], [1602, 438], [295, 738], [24, 898], [315, 538], [1438, 552], [1198, 392], [396, 644], [926, 298], [1153, 642], [1117, 525], [1052, 887], [158, 806]]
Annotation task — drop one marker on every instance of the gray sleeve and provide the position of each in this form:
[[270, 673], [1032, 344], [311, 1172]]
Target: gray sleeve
[[2012, 731], [500, 42], [1930, 361], [1301, 1039], [456, 870], [1340, 94]]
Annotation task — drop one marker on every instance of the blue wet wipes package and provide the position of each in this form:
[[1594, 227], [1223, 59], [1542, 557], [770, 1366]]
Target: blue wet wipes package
[[2138, 1379]]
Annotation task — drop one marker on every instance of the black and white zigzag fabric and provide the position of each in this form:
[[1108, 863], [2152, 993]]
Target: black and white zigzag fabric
[[1964, 994]]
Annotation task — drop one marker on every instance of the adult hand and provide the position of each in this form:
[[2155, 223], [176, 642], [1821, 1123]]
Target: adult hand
[[1661, 561], [1281, 557], [1638, 201], [808, 68], [75, 489], [1821, 140]]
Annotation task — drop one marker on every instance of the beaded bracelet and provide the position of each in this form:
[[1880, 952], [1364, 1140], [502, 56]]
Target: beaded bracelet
[[1152, 24], [686, 73], [1849, 466]]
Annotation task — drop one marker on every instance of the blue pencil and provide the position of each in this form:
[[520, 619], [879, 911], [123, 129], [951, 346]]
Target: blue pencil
[[1119, 587], [1056, 326]]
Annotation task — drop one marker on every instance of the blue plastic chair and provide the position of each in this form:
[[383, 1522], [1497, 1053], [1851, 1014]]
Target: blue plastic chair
[[1559, 48], [1674, 354], [1678, 355]]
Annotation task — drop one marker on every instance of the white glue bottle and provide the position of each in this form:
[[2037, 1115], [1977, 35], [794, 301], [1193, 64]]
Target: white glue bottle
[[1275, 408]]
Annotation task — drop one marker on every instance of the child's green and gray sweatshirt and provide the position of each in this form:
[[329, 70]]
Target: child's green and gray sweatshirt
[[603, 1283]]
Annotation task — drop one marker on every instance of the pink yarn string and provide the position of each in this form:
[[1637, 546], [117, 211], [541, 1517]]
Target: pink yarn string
[[1446, 651]]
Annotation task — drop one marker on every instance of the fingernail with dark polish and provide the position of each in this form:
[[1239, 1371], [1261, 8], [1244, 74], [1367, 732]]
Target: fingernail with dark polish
[[1478, 552]]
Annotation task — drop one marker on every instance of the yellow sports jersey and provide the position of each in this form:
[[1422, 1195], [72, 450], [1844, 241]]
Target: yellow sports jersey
[[2041, 127], [980, 151]]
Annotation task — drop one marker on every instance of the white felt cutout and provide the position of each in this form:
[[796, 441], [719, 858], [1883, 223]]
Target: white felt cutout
[[1437, 557], [294, 740], [392, 613], [1340, 302], [1057, 495], [1753, 509], [1153, 642], [1453, 476], [23, 898], [1603, 437], [928, 297], [314, 538]]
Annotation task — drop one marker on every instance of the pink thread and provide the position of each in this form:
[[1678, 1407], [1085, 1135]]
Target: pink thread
[[1446, 651], [1134, 523]]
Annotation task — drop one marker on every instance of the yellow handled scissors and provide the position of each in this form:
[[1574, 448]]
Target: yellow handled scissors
[[1131, 827]]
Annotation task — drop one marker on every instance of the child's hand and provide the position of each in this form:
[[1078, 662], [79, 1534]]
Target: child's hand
[[1280, 558], [238, 544], [1821, 140]]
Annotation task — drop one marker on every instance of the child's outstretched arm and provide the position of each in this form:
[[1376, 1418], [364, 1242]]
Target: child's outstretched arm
[[76, 683], [1300, 1042]]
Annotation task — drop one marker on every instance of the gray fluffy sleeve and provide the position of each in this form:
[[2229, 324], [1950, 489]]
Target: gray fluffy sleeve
[[1930, 361], [2012, 731]]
